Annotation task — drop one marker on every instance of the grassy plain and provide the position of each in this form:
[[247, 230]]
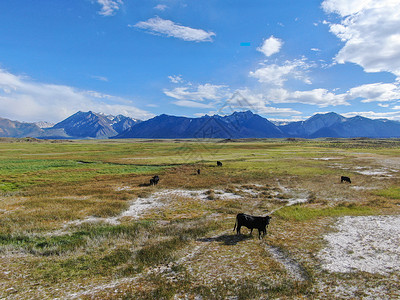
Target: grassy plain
[[184, 248]]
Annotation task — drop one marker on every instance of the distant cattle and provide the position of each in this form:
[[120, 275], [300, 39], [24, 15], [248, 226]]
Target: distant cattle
[[154, 180], [198, 171], [345, 179], [252, 222], [219, 164]]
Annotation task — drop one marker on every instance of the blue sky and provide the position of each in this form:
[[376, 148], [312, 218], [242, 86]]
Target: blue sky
[[283, 59]]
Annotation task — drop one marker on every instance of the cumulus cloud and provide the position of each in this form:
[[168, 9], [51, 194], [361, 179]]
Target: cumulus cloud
[[279, 74], [319, 97], [221, 98], [374, 92], [380, 92], [199, 93], [109, 7], [246, 99], [270, 46], [168, 28], [25, 100], [370, 31]]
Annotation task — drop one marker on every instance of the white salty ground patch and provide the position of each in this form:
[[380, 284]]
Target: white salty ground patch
[[135, 210], [157, 199], [369, 243], [193, 194], [326, 158], [380, 172], [358, 188], [299, 196]]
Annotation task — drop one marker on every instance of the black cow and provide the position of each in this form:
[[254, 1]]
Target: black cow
[[198, 171], [154, 180], [252, 222], [345, 179], [219, 164]]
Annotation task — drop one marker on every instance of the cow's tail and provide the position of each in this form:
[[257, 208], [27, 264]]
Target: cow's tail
[[235, 225]]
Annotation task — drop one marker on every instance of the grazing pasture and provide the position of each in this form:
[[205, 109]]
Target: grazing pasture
[[79, 219]]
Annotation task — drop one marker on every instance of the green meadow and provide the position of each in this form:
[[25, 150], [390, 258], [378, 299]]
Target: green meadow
[[63, 231]]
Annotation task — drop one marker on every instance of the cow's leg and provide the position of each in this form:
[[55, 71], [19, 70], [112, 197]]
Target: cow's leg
[[251, 231], [238, 229]]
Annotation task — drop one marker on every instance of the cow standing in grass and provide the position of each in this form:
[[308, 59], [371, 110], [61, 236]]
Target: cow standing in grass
[[219, 164], [252, 222], [154, 180], [345, 179]]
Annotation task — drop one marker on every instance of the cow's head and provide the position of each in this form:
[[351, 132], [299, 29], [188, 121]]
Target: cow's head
[[267, 219]]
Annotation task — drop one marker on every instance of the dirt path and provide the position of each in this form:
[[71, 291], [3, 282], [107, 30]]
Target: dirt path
[[294, 269]]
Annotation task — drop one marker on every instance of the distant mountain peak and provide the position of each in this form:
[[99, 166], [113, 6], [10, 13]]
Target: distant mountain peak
[[43, 124], [246, 113], [94, 125], [326, 115]]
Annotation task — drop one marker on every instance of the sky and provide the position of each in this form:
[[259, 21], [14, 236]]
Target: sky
[[283, 59]]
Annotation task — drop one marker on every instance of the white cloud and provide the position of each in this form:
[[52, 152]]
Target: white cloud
[[168, 28], [100, 78], [370, 30], [109, 7], [278, 74], [319, 97], [193, 104], [161, 7], [395, 115], [221, 98], [346, 7], [176, 78], [380, 92], [270, 46], [200, 93], [245, 99], [25, 100], [152, 105]]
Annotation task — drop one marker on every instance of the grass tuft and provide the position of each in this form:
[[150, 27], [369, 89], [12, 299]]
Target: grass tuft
[[304, 213]]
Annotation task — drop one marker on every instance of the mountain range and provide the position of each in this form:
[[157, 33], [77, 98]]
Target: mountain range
[[90, 125], [81, 125], [237, 125]]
